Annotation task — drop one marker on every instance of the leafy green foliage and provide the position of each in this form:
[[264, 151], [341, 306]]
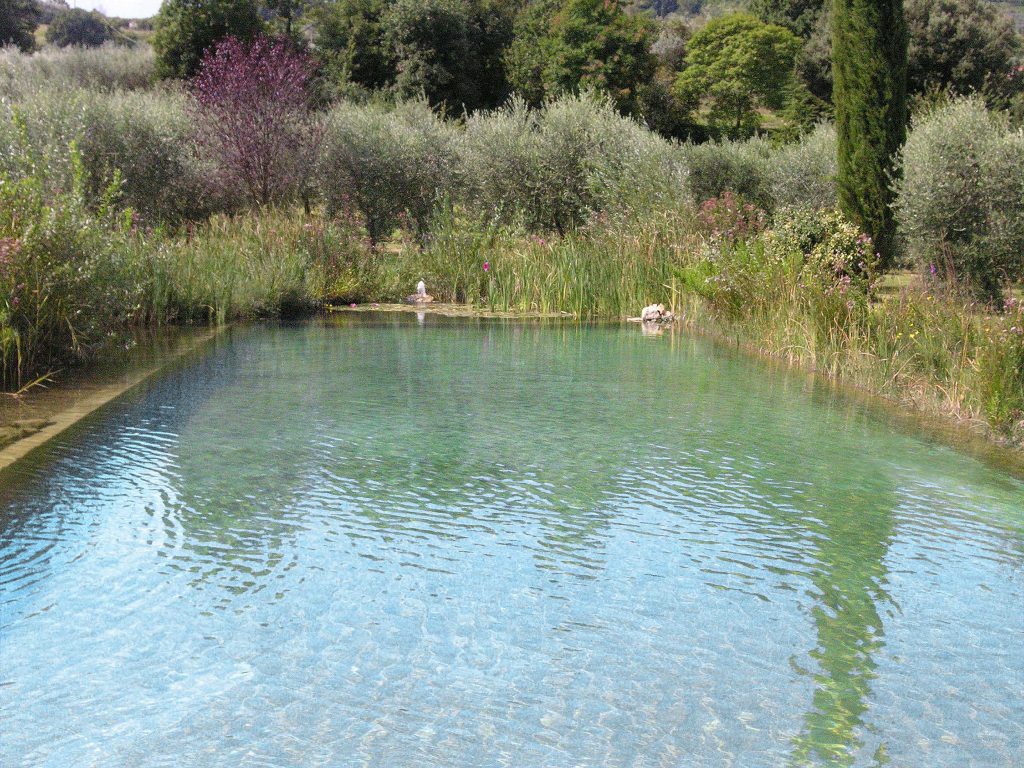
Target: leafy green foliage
[[349, 39], [556, 168], [581, 45], [17, 21], [386, 167], [76, 26], [448, 51], [185, 29], [739, 63], [798, 16], [147, 139], [960, 45], [106, 68], [961, 200], [803, 174], [730, 166], [870, 62], [65, 285], [287, 11]]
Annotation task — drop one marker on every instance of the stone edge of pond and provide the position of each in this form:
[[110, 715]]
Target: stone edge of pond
[[25, 435]]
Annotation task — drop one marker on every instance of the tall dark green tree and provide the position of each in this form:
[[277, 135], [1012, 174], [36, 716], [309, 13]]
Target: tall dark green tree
[[17, 21], [962, 45], [186, 28], [76, 26], [869, 66], [349, 43], [287, 11], [567, 46], [738, 63], [449, 51], [798, 16]]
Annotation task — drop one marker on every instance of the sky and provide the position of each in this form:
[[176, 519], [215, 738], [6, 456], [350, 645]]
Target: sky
[[125, 9]]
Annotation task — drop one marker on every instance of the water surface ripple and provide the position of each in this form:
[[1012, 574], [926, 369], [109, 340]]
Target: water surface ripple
[[372, 541]]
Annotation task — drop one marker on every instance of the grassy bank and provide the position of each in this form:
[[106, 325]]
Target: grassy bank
[[925, 345]]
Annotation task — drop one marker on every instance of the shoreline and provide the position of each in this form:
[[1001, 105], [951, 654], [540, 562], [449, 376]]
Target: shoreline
[[47, 414], [966, 435], [41, 416], [969, 436]]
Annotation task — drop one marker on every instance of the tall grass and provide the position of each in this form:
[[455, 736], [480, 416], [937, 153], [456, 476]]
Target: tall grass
[[107, 68]]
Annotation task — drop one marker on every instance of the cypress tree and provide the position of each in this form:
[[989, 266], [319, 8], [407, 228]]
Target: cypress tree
[[869, 65]]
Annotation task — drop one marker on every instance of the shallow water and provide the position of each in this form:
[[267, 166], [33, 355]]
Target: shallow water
[[474, 542]]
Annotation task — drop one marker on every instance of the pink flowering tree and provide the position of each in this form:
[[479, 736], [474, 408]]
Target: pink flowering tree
[[254, 117]]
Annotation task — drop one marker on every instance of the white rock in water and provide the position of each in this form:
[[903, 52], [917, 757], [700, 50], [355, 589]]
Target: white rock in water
[[421, 288], [652, 312]]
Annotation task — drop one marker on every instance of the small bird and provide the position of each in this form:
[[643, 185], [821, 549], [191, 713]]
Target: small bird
[[421, 296]]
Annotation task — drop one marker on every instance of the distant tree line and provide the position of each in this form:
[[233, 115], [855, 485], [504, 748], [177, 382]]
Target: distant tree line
[[770, 67]]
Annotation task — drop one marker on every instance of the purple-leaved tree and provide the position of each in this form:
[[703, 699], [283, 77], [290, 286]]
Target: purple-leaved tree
[[254, 117]]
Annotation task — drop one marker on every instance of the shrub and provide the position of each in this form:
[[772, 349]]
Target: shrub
[[729, 218], [149, 139], [500, 157], [961, 201], [106, 68], [626, 168], [803, 174], [67, 282], [254, 118], [554, 168], [35, 136], [737, 166], [388, 166], [76, 26], [826, 242]]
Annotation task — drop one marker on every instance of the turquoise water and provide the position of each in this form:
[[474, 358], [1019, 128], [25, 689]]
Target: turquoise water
[[372, 541]]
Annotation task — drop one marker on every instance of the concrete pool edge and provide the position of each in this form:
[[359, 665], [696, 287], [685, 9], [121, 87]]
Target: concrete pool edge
[[68, 415]]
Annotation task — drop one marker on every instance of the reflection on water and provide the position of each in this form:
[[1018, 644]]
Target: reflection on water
[[392, 540]]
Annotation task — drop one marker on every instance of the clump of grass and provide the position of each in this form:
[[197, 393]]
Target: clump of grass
[[610, 268], [67, 282], [106, 68], [252, 265]]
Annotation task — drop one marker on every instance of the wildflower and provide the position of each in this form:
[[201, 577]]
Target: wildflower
[[487, 266], [353, 304]]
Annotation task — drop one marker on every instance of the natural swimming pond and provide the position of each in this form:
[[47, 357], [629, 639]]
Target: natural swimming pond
[[371, 541]]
